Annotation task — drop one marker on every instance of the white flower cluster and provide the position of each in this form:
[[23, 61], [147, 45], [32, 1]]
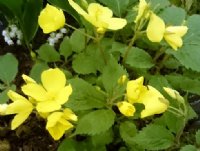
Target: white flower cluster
[[55, 36], [3, 108], [12, 32]]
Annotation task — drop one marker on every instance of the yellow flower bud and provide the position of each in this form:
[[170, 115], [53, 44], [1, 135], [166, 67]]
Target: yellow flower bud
[[51, 19], [126, 108], [122, 79]]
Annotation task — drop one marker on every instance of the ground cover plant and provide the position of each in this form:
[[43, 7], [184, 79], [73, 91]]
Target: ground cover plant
[[99, 75]]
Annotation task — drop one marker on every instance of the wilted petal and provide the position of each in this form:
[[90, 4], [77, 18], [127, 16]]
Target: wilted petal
[[126, 108], [155, 28], [53, 80]]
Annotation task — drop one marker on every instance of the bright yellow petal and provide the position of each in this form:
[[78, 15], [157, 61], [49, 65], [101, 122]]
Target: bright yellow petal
[[28, 79], [178, 30], [15, 96], [77, 8], [69, 115], [126, 108], [53, 119], [115, 23], [154, 102], [19, 119], [63, 95], [155, 28], [48, 106], [53, 80], [173, 40], [134, 89], [51, 19], [35, 91], [142, 6], [19, 106]]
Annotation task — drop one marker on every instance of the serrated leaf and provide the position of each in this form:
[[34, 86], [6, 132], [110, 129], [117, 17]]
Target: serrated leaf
[[127, 131], [197, 136], [48, 53], [154, 137], [111, 73], [65, 47], [77, 40], [188, 148], [138, 58], [84, 64], [95, 122], [173, 15], [118, 6], [8, 68], [85, 96], [184, 83], [36, 71]]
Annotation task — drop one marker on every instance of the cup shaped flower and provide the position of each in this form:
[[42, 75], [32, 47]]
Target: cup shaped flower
[[57, 123], [153, 100], [156, 31], [21, 106], [126, 108], [99, 16], [52, 93], [51, 19], [142, 11]]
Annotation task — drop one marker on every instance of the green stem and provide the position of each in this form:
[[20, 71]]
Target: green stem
[[72, 27], [129, 48], [161, 64]]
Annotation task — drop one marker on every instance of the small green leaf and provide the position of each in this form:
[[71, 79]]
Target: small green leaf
[[95, 122], [173, 15], [127, 131], [154, 137], [118, 6], [188, 148], [8, 68], [159, 4], [197, 136], [85, 96], [77, 40], [138, 58], [37, 70], [3, 95], [65, 47], [48, 53]]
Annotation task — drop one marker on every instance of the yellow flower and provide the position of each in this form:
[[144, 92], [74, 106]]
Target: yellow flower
[[20, 106], [52, 93], [156, 31], [100, 17], [51, 19], [126, 108], [153, 100], [122, 79], [174, 94], [57, 123], [143, 6]]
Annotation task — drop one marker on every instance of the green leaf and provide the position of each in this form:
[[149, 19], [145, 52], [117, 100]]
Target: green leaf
[[111, 73], [3, 95], [85, 96], [65, 47], [173, 15], [8, 68], [197, 136], [67, 143], [188, 148], [138, 58], [31, 12], [78, 40], [159, 4], [154, 137], [36, 71], [48, 53], [118, 6], [64, 4], [184, 83], [127, 131], [102, 138], [95, 122]]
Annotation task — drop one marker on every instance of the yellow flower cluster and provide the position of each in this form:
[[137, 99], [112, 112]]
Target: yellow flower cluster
[[153, 101], [157, 30], [47, 99]]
